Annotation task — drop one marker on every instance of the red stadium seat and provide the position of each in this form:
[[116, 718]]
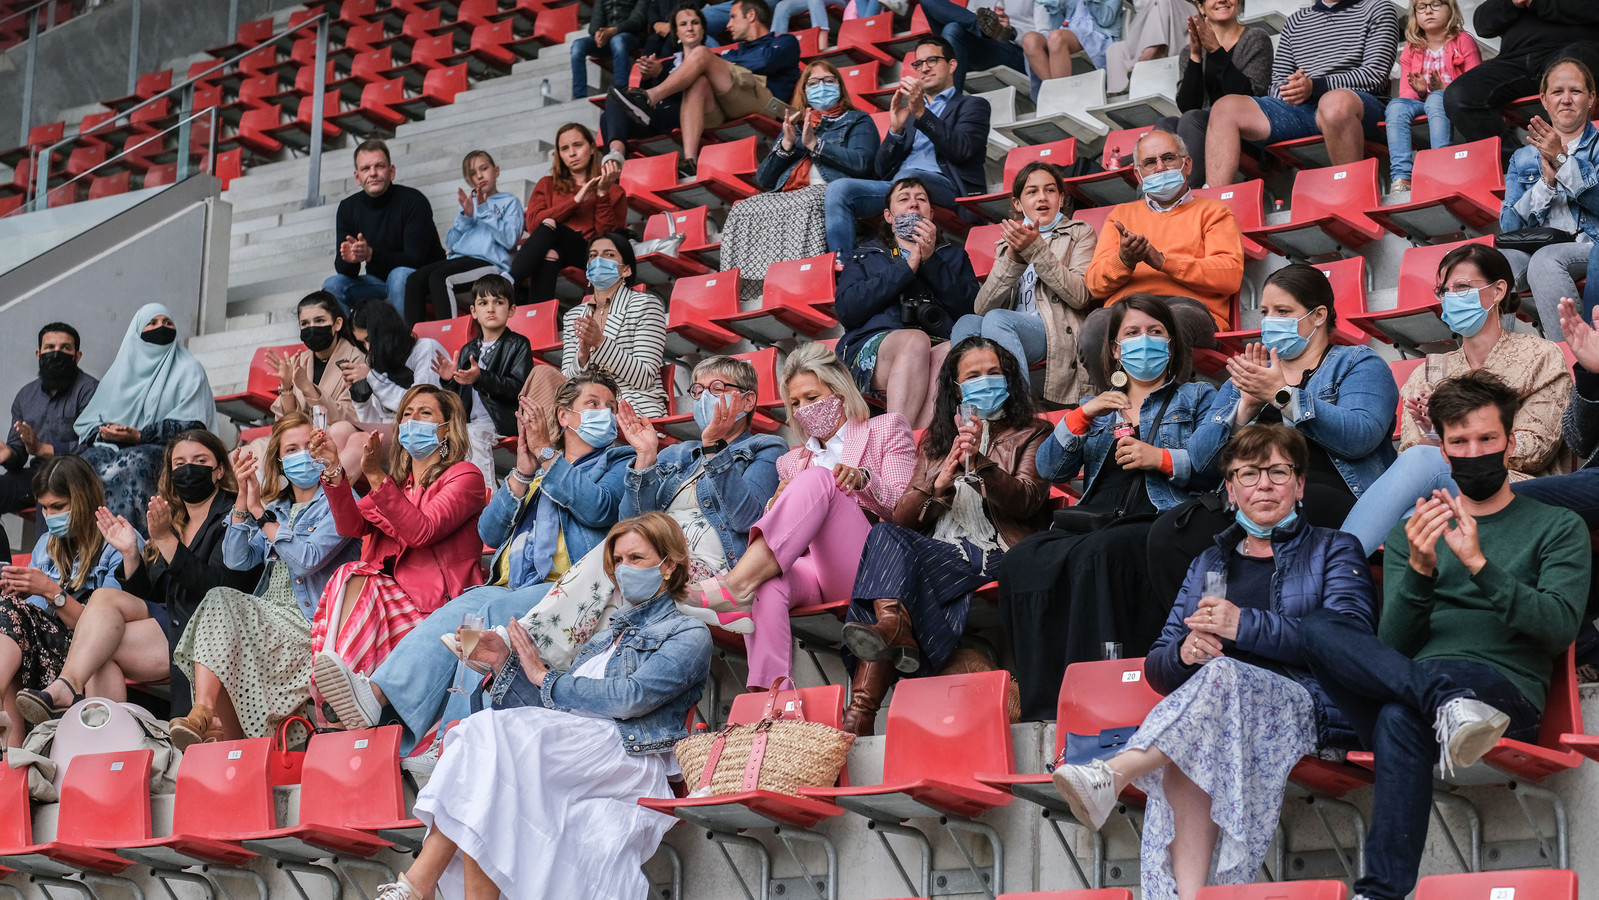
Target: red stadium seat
[[104, 797], [439, 88], [860, 80], [374, 115], [297, 132], [540, 323], [1529, 884], [107, 185], [1118, 183], [554, 24], [248, 35], [1277, 890], [981, 242], [147, 86], [254, 403], [798, 296], [426, 56], [645, 177], [905, 42], [1246, 199], [661, 268], [487, 51], [452, 333], [1415, 322], [39, 137], [858, 39], [1328, 213], [726, 173], [1454, 189], [997, 205], [256, 129], [698, 306]]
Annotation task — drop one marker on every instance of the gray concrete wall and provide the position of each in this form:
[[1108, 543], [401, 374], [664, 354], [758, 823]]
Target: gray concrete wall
[[86, 60]]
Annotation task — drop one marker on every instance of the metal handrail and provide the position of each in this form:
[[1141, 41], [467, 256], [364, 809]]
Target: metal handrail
[[40, 183], [33, 53], [210, 112]]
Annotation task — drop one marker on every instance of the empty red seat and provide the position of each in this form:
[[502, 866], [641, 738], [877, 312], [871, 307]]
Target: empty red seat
[[905, 42], [297, 132], [1118, 182], [1327, 215], [1524, 884], [452, 333], [63, 195], [256, 129], [725, 171], [39, 137], [83, 159], [426, 56], [375, 114], [1453, 189], [981, 242], [1246, 199], [861, 79], [698, 306], [1277, 890], [1416, 321], [797, 297], [645, 177], [660, 268], [997, 205], [363, 39], [248, 35], [107, 185], [104, 797], [554, 24], [540, 323], [488, 51], [439, 88], [858, 39]]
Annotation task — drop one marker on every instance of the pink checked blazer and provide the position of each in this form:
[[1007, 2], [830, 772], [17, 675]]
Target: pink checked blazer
[[883, 446], [432, 539]]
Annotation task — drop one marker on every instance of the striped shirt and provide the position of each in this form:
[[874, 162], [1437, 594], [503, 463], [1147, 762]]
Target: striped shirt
[[633, 349], [1352, 45]]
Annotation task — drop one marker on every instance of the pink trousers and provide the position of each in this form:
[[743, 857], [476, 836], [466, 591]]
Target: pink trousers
[[817, 533]]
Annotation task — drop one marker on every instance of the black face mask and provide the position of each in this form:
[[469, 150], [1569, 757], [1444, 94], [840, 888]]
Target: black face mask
[[1479, 477], [317, 337], [160, 336], [58, 369], [193, 482]]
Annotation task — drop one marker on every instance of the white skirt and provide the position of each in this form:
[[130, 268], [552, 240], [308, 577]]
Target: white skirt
[[546, 802]]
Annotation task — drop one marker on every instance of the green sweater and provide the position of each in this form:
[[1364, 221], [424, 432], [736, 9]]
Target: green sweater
[[1517, 614]]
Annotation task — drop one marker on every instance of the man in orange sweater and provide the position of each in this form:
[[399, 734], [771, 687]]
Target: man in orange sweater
[[1187, 249]]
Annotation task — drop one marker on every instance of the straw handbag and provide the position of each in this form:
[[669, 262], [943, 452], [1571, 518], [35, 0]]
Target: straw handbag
[[780, 753]]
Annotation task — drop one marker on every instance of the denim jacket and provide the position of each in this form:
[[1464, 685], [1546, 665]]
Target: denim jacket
[[1522, 190], [588, 497], [845, 148], [106, 573], [312, 549], [657, 674], [1315, 568], [1183, 432], [1347, 409], [732, 494]]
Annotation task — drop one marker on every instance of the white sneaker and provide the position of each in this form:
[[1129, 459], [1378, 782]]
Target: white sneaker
[[347, 691], [1090, 790], [1466, 730], [424, 764], [398, 890]]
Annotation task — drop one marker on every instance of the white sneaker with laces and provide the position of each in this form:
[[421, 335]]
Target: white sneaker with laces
[[398, 890], [424, 764], [347, 691], [1090, 790], [1466, 729]]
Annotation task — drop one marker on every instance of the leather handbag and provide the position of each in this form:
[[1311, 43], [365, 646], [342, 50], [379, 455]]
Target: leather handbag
[[1531, 240], [780, 753], [1082, 749], [284, 766]]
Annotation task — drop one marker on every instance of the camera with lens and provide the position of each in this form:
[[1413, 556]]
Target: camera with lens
[[920, 312]]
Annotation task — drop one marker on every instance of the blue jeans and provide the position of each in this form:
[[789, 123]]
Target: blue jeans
[[1021, 333], [1401, 112], [1392, 700], [785, 10], [1590, 292], [1577, 491], [717, 15], [1415, 474], [417, 675], [973, 51], [619, 49], [851, 198], [351, 291], [1290, 121]]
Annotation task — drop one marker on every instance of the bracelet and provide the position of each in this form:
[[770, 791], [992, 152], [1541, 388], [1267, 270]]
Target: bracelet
[[525, 479], [329, 475], [239, 515]]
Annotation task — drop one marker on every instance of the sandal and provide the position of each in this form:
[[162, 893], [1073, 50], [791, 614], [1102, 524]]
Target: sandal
[[720, 608], [38, 706]]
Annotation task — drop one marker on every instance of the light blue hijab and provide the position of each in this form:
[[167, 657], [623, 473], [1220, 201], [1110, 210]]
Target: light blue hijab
[[148, 383]]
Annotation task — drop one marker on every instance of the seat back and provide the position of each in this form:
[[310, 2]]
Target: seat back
[[767, 396], [689, 222], [1469, 170], [860, 78], [263, 378], [1061, 153], [1523, 884], [106, 797], [252, 33], [1094, 696], [980, 244], [444, 84], [223, 789], [1347, 277], [865, 32], [16, 809], [1562, 709], [40, 136], [948, 726], [370, 65], [352, 777], [362, 37], [1339, 191], [540, 323], [153, 83], [1119, 144], [1418, 272], [1277, 890], [728, 158], [430, 52], [800, 281], [1095, 216], [452, 333]]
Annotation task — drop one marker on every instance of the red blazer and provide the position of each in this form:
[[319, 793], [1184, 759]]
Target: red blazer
[[883, 446], [432, 540]]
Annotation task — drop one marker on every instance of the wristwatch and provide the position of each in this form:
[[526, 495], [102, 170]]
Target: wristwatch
[[714, 448], [265, 517], [59, 600], [1283, 398], [1560, 159], [547, 454]]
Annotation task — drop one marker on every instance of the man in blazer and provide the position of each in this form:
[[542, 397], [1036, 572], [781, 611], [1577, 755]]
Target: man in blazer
[[935, 134]]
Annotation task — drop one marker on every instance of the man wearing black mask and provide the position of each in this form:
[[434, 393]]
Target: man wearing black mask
[[42, 414], [1482, 593]]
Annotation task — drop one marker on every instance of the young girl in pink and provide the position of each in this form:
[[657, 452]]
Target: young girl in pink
[[1437, 50]]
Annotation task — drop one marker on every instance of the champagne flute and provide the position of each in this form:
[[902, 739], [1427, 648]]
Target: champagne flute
[[967, 412], [471, 629]]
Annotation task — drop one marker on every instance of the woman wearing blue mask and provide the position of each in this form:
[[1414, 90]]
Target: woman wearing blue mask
[[825, 138], [1142, 448], [575, 747], [1340, 397], [417, 525], [1241, 707], [975, 493], [1474, 283], [1036, 297], [153, 390], [248, 655], [40, 603], [616, 330]]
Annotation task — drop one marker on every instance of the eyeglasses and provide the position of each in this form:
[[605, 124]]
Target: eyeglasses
[[1249, 476], [1443, 289], [1165, 159], [924, 62], [1433, 5], [717, 386], [828, 79]]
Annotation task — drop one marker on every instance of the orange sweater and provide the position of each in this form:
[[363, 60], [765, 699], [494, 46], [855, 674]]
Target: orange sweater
[[1203, 248]]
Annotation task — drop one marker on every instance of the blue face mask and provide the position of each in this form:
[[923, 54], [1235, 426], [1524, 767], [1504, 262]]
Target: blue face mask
[[603, 272], [301, 468], [1145, 356], [1053, 223], [1164, 186], [1464, 312], [822, 97], [59, 524], [986, 392], [705, 407], [1258, 530], [420, 439], [638, 585], [597, 427], [1281, 333]]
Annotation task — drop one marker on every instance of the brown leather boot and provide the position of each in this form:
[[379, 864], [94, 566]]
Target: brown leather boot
[[889, 640], [871, 682]]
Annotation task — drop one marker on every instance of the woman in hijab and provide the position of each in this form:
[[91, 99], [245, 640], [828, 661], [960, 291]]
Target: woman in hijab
[[153, 390]]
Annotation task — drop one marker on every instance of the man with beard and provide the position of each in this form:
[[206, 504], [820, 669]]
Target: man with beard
[[42, 415]]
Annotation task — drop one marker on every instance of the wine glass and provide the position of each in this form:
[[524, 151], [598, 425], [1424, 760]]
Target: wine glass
[[471, 629], [967, 412]]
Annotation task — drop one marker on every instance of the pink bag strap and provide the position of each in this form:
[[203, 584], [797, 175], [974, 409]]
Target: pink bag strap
[[752, 766], [712, 759], [771, 701]]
